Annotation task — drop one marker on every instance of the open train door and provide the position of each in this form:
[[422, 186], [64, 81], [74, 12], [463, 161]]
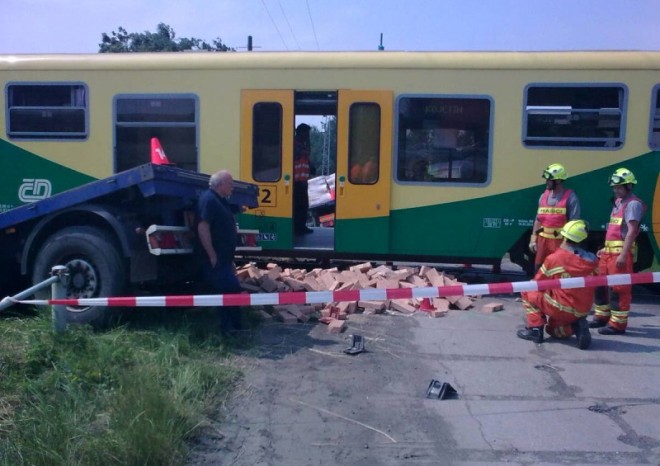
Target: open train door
[[364, 171], [267, 160]]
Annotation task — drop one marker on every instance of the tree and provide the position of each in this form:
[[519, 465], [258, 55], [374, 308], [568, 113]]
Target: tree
[[163, 40]]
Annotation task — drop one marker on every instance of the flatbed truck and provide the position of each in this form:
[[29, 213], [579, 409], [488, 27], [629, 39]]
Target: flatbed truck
[[129, 233]]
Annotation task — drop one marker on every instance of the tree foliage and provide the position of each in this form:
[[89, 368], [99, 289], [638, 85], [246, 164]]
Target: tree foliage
[[163, 40]]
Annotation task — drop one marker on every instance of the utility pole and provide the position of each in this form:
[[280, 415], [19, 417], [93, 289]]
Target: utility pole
[[249, 45], [381, 46], [325, 155]]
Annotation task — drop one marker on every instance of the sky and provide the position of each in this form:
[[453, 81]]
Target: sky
[[75, 26]]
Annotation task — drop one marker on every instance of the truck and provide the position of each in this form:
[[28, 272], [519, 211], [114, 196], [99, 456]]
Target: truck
[[132, 232]]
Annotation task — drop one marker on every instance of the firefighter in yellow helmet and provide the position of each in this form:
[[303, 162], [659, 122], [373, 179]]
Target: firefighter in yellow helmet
[[557, 205], [613, 304], [564, 309]]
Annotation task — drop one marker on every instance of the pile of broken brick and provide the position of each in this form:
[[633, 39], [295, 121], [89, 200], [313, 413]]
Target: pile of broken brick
[[274, 279]]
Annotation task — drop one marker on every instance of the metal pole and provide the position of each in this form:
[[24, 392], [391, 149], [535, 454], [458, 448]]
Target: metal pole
[[10, 301], [58, 291]]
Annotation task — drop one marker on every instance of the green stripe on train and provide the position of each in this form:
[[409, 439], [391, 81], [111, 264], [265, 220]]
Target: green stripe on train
[[489, 226], [29, 177]]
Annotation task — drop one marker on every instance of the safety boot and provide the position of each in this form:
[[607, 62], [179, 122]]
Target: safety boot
[[534, 334], [581, 331], [609, 330], [597, 323]]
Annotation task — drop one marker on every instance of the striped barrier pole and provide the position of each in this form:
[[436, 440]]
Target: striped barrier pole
[[369, 294]]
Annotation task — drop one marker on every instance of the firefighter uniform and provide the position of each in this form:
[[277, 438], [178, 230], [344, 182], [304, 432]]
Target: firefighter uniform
[[557, 206], [552, 215], [301, 170], [562, 307], [613, 304]]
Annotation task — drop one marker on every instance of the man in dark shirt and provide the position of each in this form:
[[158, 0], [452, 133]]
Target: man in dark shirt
[[218, 236]]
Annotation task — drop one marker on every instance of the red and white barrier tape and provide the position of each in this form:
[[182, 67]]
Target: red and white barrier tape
[[369, 294]]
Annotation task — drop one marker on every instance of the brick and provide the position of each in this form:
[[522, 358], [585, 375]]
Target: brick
[[492, 307], [463, 303], [328, 280], [380, 270], [388, 283], [373, 305], [348, 286], [362, 268], [254, 272], [438, 313], [431, 275], [311, 284], [417, 281], [274, 273], [296, 285], [242, 273], [302, 317], [268, 284], [252, 288], [403, 274], [336, 326], [402, 305], [441, 304], [286, 317]]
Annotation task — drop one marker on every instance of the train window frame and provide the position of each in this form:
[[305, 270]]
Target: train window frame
[[160, 128], [454, 136], [572, 112], [275, 171], [365, 169], [654, 119], [51, 106]]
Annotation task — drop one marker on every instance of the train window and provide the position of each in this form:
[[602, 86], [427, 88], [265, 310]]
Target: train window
[[172, 118], [572, 115], [267, 141], [47, 111], [654, 131], [443, 139], [364, 143]]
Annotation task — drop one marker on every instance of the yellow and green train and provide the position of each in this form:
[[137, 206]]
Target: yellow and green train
[[438, 155]]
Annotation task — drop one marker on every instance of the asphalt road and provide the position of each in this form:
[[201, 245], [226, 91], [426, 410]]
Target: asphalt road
[[305, 402]]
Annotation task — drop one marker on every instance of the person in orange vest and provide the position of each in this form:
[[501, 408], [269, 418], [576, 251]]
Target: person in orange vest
[[557, 205], [613, 303], [301, 169], [566, 310]]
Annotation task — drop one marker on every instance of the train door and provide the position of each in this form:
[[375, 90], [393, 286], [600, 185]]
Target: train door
[[358, 124], [364, 171]]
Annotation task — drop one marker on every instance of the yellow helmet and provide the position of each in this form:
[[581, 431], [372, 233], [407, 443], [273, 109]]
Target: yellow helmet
[[575, 230], [556, 171], [622, 176]]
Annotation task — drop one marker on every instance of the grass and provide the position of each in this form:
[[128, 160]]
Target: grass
[[131, 395]]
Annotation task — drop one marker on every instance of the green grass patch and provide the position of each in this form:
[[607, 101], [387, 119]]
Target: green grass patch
[[131, 395]]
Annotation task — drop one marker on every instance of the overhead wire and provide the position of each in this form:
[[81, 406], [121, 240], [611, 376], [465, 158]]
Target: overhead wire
[[275, 25], [288, 24], [309, 12]]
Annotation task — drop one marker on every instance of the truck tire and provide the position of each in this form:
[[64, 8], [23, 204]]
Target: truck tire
[[95, 268]]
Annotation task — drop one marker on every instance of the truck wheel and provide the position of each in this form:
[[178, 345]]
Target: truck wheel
[[95, 270]]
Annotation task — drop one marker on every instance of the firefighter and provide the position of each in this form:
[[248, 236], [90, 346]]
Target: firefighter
[[565, 309], [301, 170], [613, 303], [557, 205]]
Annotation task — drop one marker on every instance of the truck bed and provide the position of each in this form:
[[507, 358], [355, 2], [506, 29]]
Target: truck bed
[[149, 178]]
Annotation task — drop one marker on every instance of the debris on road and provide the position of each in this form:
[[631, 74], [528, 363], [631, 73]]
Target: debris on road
[[274, 279]]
